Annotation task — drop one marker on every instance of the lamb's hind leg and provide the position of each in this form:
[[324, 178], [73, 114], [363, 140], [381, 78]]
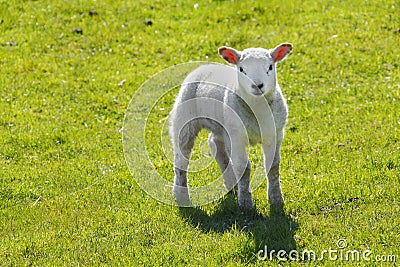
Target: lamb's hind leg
[[183, 145], [218, 150]]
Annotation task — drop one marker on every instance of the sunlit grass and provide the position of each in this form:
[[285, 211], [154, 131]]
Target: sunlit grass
[[66, 195]]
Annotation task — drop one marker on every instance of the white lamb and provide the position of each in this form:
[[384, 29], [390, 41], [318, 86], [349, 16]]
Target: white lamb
[[233, 106]]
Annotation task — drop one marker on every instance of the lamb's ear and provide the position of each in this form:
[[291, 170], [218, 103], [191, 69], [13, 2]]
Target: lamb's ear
[[229, 54], [280, 52]]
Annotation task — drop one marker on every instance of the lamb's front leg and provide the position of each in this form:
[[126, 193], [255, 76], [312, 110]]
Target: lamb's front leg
[[242, 169], [244, 194], [274, 185]]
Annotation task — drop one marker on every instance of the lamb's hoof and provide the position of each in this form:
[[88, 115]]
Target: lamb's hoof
[[276, 205], [182, 197], [183, 201], [246, 203]]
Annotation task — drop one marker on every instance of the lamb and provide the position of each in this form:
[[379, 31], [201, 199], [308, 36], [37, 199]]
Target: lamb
[[233, 104]]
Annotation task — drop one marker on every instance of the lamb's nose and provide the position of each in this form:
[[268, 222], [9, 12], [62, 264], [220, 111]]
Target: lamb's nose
[[258, 86]]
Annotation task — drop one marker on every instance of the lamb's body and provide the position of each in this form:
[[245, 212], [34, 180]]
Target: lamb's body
[[214, 97]]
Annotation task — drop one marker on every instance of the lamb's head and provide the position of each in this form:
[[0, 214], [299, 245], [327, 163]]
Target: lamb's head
[[256, 66]]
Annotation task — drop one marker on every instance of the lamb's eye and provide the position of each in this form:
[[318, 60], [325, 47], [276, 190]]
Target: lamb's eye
[[242, 70], [270, 67]]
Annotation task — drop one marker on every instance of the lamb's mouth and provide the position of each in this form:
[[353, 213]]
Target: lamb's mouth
[[258, 92]]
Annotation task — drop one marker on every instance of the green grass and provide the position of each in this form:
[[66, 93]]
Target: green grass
[[67, 196]]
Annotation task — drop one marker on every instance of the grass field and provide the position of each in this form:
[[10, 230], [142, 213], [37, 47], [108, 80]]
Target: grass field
[[68, 70]]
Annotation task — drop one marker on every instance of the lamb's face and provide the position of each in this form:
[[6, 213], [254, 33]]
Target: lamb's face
[[257, 71], [256, 66]]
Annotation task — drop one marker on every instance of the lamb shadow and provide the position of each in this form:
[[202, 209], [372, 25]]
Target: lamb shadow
[[274, 232]]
